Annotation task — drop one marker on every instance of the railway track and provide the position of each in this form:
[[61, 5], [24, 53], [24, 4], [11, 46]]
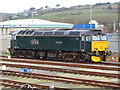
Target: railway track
[[97, 63], [63, 79], [63, 64], [68, 80], [64, 70], [18, 85]]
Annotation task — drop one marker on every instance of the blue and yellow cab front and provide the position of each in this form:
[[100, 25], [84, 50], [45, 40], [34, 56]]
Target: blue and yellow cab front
[[100, 48]]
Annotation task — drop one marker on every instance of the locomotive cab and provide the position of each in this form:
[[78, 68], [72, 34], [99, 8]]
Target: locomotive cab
[[96, 46]]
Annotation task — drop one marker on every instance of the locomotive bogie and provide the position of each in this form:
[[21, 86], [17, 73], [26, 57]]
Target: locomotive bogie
[[44, 54]]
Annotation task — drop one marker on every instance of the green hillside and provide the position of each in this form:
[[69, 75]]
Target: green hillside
[[104, 14]]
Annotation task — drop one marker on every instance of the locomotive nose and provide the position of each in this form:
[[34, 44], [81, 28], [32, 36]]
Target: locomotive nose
[[100, 48], [99, 45]]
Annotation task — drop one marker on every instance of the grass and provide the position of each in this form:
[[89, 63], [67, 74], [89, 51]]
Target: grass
[[79, 13]]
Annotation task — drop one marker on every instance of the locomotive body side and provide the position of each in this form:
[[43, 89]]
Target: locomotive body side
[[48, 43]]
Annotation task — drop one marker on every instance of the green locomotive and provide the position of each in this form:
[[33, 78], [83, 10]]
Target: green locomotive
[[75, 45]]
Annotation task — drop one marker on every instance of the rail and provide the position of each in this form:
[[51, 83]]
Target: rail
[[63, 64], [64, 70]]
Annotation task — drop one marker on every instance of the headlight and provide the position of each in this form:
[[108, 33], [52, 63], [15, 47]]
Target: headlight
[[106, 48], [95, 49]]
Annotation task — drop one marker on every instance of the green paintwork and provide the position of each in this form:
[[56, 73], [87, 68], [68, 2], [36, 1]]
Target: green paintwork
[[52, 43]]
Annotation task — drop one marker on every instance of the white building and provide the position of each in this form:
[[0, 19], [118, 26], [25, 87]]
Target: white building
[[97, 25], [8, 26]]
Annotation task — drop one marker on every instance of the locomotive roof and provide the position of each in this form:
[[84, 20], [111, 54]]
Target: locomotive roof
[[57, 32]]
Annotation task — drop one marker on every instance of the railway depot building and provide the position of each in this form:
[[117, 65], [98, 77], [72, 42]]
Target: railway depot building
[[8, 27]]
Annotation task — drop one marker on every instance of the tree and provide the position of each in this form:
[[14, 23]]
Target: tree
[[109, 7], [41, 8], [46, 6], [32, 9], [108, 3], [57, 5]]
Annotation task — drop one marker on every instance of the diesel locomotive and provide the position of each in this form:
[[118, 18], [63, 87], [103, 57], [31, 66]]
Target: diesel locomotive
[[74, 45]]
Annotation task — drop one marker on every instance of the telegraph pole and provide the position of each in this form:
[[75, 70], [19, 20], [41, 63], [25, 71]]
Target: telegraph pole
[[114, 26], [32, 18], [90, 15]]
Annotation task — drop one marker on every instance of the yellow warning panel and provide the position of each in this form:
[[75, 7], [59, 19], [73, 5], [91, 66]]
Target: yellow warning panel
[[117, 59], [99, 45], [96, 59]]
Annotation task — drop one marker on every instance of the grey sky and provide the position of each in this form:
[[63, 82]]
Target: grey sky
[[14, 6]]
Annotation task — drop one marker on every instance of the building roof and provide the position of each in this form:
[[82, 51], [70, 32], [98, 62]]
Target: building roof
[[93, 22], [33, 23]]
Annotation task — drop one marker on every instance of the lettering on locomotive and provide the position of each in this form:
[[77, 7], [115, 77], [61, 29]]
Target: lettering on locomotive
[[59, 42], [34, 42]]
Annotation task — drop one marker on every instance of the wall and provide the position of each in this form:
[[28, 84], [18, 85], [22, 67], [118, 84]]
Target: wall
[[114, 41], [4, 43]]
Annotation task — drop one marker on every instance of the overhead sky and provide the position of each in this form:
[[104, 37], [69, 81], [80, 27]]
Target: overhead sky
[[15, 6]]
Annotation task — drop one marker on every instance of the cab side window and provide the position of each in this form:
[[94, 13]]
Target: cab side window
[[83, 38], [88, 38]]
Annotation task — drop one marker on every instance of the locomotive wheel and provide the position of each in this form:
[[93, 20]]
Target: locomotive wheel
[[86, 58]]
